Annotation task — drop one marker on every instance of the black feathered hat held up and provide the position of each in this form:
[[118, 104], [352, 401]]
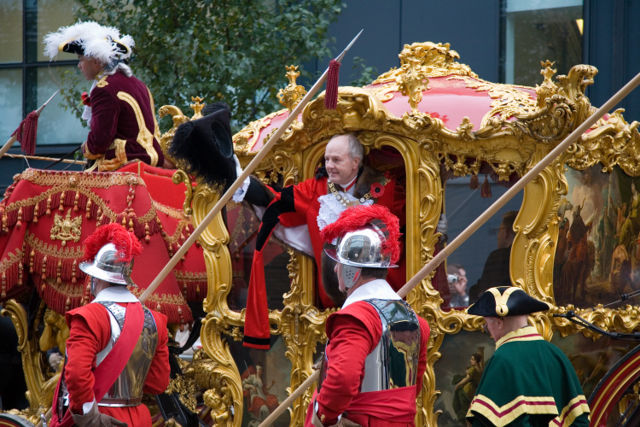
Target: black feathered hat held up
[[206, 146], [506, 301]]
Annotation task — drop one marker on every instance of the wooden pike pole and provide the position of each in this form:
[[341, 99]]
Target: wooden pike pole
[[13, 139], [51, 159], [478, 222], [238, 182]]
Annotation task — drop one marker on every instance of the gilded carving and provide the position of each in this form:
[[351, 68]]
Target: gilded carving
[[40, 388], [245, 140], [291, 94], [181, 176], [217, 370], [177, 118], [412, 82], [436, 60]]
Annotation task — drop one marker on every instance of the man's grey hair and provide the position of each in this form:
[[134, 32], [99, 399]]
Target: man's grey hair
[[355, 148]]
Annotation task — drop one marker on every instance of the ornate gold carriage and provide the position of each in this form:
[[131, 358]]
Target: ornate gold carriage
[[442, 121]]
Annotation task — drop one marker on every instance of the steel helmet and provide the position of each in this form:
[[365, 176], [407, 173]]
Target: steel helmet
[[110, 249], [367, 237], [362, 248], [107, 266]]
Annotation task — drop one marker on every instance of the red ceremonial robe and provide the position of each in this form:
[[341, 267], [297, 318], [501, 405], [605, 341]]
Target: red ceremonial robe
[[353, 333], [307, 207], [122, 112], [89, 333]]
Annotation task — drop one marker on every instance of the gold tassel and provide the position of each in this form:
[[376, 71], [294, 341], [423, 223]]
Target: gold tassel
[[61, 204], [74, 280], [43, 276], [59, 271], [32, 254]]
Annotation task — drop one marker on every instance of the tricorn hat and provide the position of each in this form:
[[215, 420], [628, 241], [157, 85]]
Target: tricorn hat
[[503, 301], [206, 146], [90, 39]]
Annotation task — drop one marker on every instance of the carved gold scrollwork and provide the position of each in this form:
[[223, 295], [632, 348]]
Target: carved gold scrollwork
[[435, 60], [412, 81], [245, 140], [302, 325], [224, 390], [177, 118], [613, 142], [181, 176], [40, 389]]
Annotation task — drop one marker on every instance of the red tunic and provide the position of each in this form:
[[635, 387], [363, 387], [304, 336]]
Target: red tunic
[[353, 333], [89, 333], [122, 109]]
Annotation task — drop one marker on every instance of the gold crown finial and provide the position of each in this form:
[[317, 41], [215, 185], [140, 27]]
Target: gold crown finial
[[290, 95], [196, 106]]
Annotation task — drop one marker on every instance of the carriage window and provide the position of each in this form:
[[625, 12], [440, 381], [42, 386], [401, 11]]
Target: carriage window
[[481, 261], [540, 30], [27, 78]]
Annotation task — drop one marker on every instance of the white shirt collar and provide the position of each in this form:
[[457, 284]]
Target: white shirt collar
[[378, 288], [116, 294], [353, 187]]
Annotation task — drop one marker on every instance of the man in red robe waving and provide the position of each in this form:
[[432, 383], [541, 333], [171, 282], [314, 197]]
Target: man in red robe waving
[[298, 213], [376, 352], [117, 348]]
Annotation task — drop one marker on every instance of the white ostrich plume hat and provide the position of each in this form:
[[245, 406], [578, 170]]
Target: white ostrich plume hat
[[90, 39]]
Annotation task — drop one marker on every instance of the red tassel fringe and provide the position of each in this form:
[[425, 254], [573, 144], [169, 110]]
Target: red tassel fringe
[[26, 133], [331, 92]]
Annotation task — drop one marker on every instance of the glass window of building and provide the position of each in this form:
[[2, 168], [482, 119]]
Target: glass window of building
[[28, 78], [537, 30]]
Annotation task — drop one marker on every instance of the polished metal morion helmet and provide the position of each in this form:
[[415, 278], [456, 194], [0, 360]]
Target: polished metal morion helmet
[[362, 248], [108, 266]]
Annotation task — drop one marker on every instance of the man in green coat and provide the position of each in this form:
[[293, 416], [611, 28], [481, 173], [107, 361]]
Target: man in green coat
[[528, 381]]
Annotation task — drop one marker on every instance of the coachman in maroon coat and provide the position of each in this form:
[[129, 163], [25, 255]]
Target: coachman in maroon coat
[[119, 107]]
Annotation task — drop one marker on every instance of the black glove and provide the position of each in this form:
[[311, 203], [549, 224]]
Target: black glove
[[96, 418]]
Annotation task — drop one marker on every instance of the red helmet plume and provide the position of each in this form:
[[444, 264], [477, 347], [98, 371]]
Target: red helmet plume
[[357, 217], [126, 243]]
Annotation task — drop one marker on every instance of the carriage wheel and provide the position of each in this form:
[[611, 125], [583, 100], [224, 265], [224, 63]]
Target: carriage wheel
[[10, 420], [616, 398]]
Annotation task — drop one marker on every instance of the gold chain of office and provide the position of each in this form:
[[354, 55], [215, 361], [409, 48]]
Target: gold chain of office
[[347, 203]]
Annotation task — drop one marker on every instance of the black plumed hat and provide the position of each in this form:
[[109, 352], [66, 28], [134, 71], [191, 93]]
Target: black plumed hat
[[206, 146], [503, 301]]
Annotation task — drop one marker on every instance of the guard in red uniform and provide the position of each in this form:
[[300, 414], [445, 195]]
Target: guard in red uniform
[[376, 354], [117, 348], [119, 107]]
